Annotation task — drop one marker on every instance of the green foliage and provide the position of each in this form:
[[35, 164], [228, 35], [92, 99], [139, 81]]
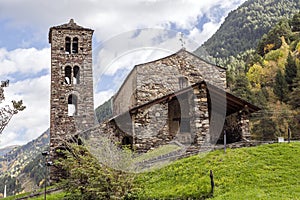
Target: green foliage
[[294, 99], [265, 129], [12, 185], [273, 38], [280, 87], [104, 111], [35, 169], [245, 26], [274, 55], [295, 22], [290, 71], [264, 172], [88, 179], [242, 87]]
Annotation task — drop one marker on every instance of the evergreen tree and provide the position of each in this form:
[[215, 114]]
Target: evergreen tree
[[280, 88], [295, 22], [265, 129], [242, 87], [272, 40], [290, 71], [295, 94]]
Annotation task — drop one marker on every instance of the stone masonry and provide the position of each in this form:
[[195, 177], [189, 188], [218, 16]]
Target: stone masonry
[[72, 107]]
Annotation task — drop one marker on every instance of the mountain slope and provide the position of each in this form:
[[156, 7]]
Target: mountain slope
[[20, 168], [244, 26]]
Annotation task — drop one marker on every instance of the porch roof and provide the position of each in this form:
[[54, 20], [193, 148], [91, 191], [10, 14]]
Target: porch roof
[[221, 98]]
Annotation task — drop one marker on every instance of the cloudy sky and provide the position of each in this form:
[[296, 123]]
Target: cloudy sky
[[127, 32]]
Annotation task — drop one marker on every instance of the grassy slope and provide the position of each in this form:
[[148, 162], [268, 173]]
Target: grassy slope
[[264, 172]]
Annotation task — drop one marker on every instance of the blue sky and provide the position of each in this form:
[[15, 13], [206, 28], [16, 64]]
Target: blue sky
[[126, 33]]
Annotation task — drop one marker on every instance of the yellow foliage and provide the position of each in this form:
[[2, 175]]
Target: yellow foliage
[[268, 47], [255, 75], [298, 47]]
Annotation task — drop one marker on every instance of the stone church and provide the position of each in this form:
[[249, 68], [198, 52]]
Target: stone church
[[179, 98]]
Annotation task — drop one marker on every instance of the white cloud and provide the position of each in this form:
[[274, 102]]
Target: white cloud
[[101, 97], [111, 17], [24, 61], [34, 120]]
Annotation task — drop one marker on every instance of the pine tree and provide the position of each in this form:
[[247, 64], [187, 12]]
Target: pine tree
[[295, 22], [290, 71], [295, 94], [280, 88], [242, 87]]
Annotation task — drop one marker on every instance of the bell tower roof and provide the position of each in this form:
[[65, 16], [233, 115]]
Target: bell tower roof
[[70, 26]]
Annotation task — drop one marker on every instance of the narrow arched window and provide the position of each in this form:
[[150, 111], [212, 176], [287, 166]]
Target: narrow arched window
[[68, 45], [76, 75], [75, 45], [72, 105], [68, 72]]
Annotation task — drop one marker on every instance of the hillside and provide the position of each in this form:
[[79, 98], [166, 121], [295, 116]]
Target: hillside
[[243, 27], [20, 168], [5, 150], [268, 172], [263, 172]]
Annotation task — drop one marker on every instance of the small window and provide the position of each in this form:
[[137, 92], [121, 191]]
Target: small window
[[76, 73], [72, 105], [183, 82], [75, 45], [68, 45], [185, 125], [68, 72]]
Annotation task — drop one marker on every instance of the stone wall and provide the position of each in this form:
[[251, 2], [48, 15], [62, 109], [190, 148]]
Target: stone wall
[[64, 127], [158, 78], [201, 116], [155, 79]]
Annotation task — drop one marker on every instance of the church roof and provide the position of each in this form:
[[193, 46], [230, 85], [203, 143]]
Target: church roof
[[71, 26], [222, 100]]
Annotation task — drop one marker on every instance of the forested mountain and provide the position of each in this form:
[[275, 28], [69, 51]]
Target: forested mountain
[[269, 76], [104, 111], [21, 169], [243, 28]]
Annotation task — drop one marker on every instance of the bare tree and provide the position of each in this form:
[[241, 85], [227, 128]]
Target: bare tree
[[7, 112]]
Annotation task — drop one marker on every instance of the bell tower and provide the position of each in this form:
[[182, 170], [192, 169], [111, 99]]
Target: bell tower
[[71, 101]]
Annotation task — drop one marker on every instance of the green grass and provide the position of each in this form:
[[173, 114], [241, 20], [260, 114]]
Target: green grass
[[54, 196], [263, 172], [157, 152]]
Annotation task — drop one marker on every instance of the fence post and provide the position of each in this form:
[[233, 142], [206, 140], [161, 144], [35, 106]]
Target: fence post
[[212, 183]]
